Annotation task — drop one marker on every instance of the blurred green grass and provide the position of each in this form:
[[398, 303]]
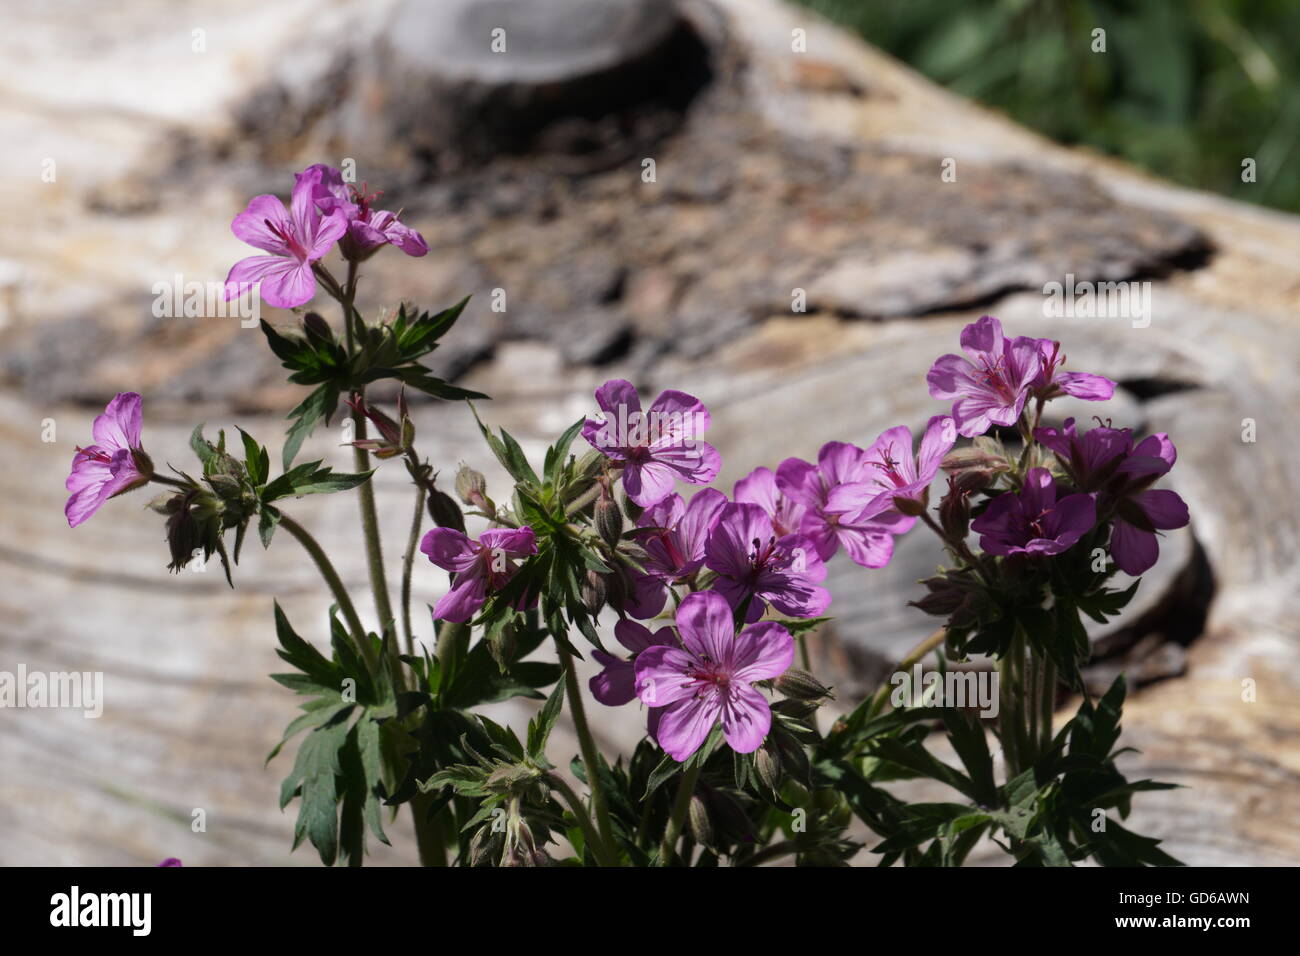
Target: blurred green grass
[[1186, 88]]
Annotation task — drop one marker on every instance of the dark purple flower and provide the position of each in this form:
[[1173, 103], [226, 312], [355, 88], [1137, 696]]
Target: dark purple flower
[[616, 684], [1103, 460], [839, 509], [656, 447], [108, 467], [1033, 521], [1091, 459], [368, 228], [673, 535], [294, 240], [1093, 388], [755, 566], [991, 385], [170, 861], [481, 567], [710, 677]]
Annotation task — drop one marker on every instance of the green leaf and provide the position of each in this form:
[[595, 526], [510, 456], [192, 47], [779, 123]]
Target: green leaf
[[257, 461], [317, 406], [539, 728]]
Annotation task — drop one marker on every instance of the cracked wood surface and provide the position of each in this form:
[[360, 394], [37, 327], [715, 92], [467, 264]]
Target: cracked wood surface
[[818, 171]]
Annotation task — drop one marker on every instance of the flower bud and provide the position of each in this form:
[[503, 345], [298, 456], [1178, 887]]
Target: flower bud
[[608, 518], [445, 512], [317, 328], [471, 486], [501, 645], [801, 685], [767, 764], [701, 826], [593, 592], [954, 512]]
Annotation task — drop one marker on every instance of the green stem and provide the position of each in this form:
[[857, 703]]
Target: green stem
[[590, 755], [598, 848], [1048, 702], [917, 653], [412, 542], [772, 852], [374, 550], [681, 806], [340, 593]]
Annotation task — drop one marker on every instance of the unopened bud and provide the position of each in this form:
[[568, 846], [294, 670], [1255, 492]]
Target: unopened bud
[[471, 486], [767, 764], [501, 645], [701, 826], [593, 592], [445, 512], [801, 685], [317, 328], [609, 519]]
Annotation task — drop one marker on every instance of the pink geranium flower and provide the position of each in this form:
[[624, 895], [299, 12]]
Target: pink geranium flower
[[656, 447], [616, 684], [112, 465], [368, 228], [991, 385], [710, 678], [482, 567], [756, 567], [1052, 381], [759, 487], [294, 240], [839, 509], [891, 471], [1033, 521], [673, 534]]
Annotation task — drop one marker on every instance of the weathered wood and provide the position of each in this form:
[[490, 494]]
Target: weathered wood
[[817, 171]]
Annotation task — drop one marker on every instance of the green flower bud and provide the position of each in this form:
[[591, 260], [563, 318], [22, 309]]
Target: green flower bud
[[801, 685]]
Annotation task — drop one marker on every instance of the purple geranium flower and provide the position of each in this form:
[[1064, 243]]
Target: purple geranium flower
[[759, 488], [755, 566], [481, 567], [616, 684], [892, 471], [1104, 460], [112, 465], [170, 861], [295, 240], [991, 386], [1092, 458], [710, 678], [655, 447], [1093, 388], [673, 535], [368, 228], [1033, 521], [838, 508]]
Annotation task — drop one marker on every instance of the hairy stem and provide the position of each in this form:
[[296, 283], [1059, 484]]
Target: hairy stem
[[412, 542], [340, 593], [598, 848], [681, 806], [590, 755]]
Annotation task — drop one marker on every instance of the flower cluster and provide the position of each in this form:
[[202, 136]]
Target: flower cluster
[[710, 595]]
